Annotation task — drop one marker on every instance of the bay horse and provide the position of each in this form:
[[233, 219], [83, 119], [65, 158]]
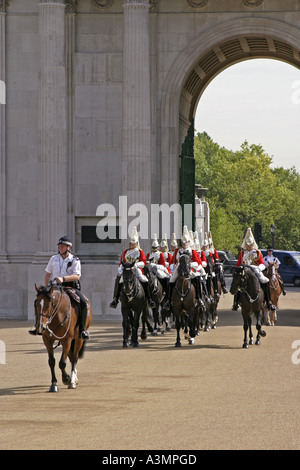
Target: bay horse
[[57, 320], [251, 299], [184, 295], [275, 292], [133, 304]]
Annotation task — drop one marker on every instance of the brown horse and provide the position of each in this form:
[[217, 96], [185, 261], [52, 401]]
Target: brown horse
[[184, 310], [275, 291], [57, 320]]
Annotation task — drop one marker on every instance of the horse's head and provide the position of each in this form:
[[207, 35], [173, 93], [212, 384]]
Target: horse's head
[[129, 277], [43, 306], [237, 279], [184, 265]]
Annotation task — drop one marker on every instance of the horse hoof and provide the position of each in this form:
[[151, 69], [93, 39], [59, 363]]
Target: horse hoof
[[72, 386], [191, 341], [66, 380], [125, 344], [135, 345], [245, 346], [263, 333], [177, 345], [251, 342], [143, 337], [53, 388], [257, 342]]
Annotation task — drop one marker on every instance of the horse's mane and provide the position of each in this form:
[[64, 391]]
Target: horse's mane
[[42, 290]]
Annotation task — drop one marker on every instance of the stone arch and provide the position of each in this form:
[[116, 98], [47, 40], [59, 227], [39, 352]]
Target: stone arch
[[204, 58]]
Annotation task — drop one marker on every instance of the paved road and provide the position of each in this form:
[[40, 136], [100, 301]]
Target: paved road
[[212, 395]]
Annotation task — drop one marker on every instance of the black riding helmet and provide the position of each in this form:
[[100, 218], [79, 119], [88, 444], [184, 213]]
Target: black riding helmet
[[65, 241]]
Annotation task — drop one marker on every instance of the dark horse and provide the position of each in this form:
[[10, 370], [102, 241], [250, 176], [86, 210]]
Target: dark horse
[[57, 320], [158, 296], [214, 289], [184, 310], [133, 303], [251, 299]]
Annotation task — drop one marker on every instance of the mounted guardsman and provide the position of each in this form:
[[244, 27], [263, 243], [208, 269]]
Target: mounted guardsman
[[194, 265], [216, 259], [156, 257], [203, 264], [165, 251], [173, 246], [250, 255], [271, 259], [64, 269], [136, 255]]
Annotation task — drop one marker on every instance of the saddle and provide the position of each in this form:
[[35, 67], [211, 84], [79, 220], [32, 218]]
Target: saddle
[[73, 294]]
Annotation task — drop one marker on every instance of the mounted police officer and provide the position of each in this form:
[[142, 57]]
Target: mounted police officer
[[64, 268]]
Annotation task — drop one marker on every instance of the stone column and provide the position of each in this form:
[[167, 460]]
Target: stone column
[[53, 184], [136, 162], [3, 257]]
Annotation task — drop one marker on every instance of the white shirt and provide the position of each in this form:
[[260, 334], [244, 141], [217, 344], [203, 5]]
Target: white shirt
[[59, 267], [271, 259]]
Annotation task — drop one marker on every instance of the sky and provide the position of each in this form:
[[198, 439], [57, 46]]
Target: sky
[[256, 100]]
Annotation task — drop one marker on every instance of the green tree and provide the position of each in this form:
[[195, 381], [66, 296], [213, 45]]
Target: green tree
[[244, 189]]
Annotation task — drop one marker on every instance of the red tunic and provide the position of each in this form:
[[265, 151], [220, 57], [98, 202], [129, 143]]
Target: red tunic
[[259, 258]]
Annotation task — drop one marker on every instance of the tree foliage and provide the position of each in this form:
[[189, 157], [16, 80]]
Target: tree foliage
[[244, 189]]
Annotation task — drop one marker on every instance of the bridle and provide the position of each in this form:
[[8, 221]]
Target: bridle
[[51, 314], [243, 286]]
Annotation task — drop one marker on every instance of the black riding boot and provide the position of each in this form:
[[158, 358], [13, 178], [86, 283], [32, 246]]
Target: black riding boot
[[215, 284], [236, 299], [222, 279], [282, 286], [266, 289], [168, 303], [117, 291], [165, 283], [209, 288], [83, 334], [147, 291]]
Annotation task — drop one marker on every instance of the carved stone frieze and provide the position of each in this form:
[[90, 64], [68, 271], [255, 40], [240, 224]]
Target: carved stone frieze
[[71, 6], [253, 3], [3, 5], [102, 3], [197, 3]]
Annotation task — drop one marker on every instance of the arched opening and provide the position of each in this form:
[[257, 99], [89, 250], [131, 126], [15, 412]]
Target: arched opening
[[255, 100], [198, 64]]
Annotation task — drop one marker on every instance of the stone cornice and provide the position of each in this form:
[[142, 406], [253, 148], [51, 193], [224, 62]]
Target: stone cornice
[[197, 3]]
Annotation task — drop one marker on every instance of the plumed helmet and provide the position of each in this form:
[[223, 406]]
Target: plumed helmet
[[134, 236], [155, 243], [65, 241], [185, 235], [249, 240], [196, 241], [192, 239], [164, 242], [205, 241], [173, 242]]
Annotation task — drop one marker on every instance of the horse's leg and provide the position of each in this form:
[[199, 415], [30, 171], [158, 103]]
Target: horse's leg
[[260, 332], [125, 325], [178, 326], [73, 356], [51, 362], [66, 346], [144, 322], [135, 327], [246, 326]]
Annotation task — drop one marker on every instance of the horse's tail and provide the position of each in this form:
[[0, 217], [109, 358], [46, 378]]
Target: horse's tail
[[81, 351]]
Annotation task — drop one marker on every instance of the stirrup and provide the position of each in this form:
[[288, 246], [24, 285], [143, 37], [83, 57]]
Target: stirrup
[[114, 303]]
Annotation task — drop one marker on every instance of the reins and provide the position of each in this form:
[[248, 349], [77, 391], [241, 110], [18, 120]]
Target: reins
[[54, 313], [243, 290]]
